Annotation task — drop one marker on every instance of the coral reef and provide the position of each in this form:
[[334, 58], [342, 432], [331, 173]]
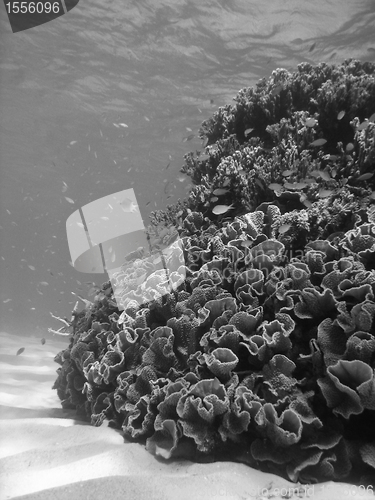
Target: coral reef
[[263, 348]]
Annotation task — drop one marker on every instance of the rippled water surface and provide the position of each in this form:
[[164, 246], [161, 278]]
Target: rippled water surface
[[157, 67]]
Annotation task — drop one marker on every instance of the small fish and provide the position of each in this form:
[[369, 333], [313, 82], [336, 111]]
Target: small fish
[[363, 125], [365, 177], [123, 125], [324, 193], [372, 118], [349, 147], [275, 187], [44, 283], [324, 175], [220, 191], [295, 185], [248, 131], [310, 122], [128, 205], [318, 142], [20, 351], [43, 341], [287, 173], [72, 142], [226, 182], [6, 301], [31, 267], [341, 115], [69, 200], [276, 90], [214, 199], [203, 157], [222, 209], [284, 228], [315, 173], [65, 187]]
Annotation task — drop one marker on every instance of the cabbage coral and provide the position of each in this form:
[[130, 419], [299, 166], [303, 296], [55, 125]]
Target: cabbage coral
[[265, 351]]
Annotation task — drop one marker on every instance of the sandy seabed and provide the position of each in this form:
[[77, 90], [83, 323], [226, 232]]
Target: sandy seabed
[[46, 453]]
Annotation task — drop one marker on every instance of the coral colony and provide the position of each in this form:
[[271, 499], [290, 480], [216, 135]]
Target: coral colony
[[264, 351]]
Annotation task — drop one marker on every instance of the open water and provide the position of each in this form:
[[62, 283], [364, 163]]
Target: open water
[[110, 96]]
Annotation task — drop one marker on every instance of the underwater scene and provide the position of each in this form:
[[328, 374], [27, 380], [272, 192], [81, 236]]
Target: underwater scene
[[187, 266]]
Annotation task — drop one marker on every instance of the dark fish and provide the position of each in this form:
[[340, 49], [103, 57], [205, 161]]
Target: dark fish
[[188, 138], [20, 351], [312, 47], [43, 341], [167, 166]]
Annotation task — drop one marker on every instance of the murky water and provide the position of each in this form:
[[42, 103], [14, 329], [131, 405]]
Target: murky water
[[158, 68]]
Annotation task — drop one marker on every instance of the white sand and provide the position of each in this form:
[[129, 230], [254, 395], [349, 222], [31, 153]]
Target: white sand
[[46, 454]]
